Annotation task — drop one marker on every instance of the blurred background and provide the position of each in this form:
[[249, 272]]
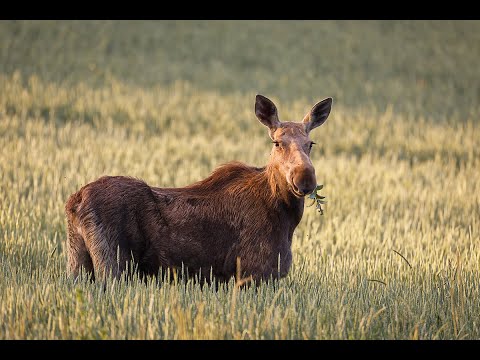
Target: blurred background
[[417, 67]]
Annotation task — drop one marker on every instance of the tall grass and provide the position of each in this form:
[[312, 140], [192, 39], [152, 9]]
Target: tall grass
[[396, 254]]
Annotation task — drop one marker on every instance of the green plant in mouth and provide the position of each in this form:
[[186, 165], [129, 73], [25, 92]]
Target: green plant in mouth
[[319, 199]]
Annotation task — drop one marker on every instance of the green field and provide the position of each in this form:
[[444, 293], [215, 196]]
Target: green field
[[396, 254]]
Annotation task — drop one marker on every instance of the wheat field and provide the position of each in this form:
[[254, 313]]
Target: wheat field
[[396, 254]]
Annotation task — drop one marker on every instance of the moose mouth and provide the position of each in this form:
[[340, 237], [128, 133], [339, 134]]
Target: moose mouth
[[297, 192]]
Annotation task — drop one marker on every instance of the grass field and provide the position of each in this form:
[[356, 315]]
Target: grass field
[[396, 254]]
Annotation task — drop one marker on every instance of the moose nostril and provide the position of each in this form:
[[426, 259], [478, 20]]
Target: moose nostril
[[297, 189]]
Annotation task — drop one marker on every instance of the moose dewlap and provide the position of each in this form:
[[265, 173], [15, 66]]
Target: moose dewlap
[[238, 211]]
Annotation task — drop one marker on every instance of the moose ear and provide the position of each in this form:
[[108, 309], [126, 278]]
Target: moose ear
[[266, 112], [318, 114]]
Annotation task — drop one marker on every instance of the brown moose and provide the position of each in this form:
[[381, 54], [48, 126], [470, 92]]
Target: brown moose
[[238, 211]]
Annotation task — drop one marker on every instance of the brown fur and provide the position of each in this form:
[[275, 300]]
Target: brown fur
[[238, 211]]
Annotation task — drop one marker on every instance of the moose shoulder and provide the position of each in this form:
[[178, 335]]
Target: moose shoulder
[[238, 211]]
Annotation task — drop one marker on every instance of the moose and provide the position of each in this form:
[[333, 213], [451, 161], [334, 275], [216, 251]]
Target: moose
[[238, 211]]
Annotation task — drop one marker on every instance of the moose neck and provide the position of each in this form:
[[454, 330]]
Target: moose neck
[[281, 194]]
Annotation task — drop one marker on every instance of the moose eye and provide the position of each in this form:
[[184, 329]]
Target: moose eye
[[277, 144]]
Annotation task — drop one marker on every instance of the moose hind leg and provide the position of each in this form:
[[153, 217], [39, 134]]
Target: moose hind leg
[[77, 254], [108, 253]]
